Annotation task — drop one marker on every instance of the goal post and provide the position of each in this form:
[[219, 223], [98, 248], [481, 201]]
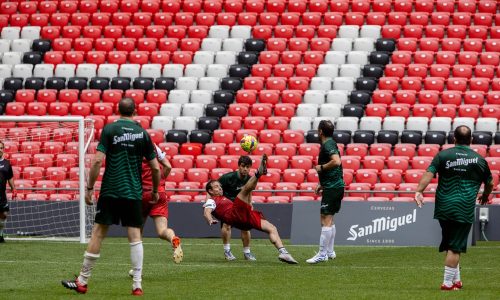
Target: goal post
[[49, 155]]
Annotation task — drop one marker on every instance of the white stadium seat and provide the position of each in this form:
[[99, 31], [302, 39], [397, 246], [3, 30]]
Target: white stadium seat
[[314, 96], [20, 45], [211, 44], [44, 70], [335, 57], [342, 44], [178, 96], [151, 70], [394, 123], [370, 123], [193, 109], [300, 123], [65, 70], [107, 70], [209, 83], [225, 57], [486, 124], [348, 31], [417, 123], [5, 71], [4, 46], [328, 70], [370, 31], [347, 123], [219, 31], [187, 83], [130, 70], [11, 58], [364, 44], [321, 83], [330, 110], [343, 83], [204, 57], [469, 122], [350, 70], [357, 57], [86, 70], [219, 71], [337, 96], [164, 123], [171, 109], [30, 32], [185, 123], [307, 110], [11, 33], [195, 70], [440, 124], [201, 96], [241, 31], [173, 70], [232, 44], [22, 70]]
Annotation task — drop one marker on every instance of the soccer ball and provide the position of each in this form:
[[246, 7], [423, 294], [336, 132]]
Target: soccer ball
[[249, 143]]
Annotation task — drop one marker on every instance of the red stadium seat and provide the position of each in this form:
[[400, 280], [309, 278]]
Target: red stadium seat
[[294, 175], [389, 188], [176, 175], [374, 162], [359, 186], [367, 176], [351, 162], [413, 176]]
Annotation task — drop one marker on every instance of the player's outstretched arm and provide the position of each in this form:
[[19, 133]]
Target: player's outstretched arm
[[207, 213], [424, 182]]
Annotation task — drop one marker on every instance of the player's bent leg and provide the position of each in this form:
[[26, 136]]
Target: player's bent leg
[[226, 241], [168, 234], [274, 237]]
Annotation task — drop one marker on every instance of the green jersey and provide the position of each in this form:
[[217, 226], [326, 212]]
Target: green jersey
[[125, 144], [333, 178], [461, 172], [232, 183]]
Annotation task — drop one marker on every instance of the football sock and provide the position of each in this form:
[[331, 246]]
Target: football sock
[[227, 247], [449, 273], [324, 240], [457, 274], [246, 250], [2, 225], [282, 250], [332, 240], [89, 260], [136, 257]]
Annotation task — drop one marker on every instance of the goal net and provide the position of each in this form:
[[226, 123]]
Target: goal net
[[49, 156]]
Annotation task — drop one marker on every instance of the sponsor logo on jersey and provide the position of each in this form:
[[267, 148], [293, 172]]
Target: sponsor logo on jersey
[[381, 224], [461, 162], [127, 137]]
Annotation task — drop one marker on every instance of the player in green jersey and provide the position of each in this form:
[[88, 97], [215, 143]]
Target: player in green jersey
[[232, 183], [331, 187], [124, 144], [461, 172]]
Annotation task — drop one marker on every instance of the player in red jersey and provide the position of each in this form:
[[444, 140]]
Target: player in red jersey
[[159, 211], [240, 213]]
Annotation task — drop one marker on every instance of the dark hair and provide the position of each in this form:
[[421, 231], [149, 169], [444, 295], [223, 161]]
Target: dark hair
[[126, 107], [208, 186], [245, 161], [326, 126], [463, 135]]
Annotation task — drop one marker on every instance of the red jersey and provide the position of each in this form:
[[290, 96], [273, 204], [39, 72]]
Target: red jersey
[[147, 178], [222, 206]]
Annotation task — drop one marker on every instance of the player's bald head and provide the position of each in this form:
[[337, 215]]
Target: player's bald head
[[126, 107], [463, 135]]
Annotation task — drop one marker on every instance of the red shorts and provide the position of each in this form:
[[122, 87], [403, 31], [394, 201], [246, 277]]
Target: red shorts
[[153, 210], [243, 217]]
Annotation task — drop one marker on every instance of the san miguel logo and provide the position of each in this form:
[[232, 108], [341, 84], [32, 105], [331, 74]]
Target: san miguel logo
[[380, 225]]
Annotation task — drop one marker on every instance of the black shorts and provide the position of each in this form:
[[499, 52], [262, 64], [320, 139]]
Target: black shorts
[[126, 212], [454, 236], [4, 206], [331, 201]]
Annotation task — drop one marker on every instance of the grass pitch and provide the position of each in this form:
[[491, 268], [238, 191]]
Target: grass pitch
[[33, 270]]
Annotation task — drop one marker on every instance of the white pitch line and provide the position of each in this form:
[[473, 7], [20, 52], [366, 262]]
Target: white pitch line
[[224, 265]]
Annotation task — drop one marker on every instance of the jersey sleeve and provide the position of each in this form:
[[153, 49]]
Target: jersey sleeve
[[103, 145], [434, 166], [210, 204], [150, 151], [332, 149]]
